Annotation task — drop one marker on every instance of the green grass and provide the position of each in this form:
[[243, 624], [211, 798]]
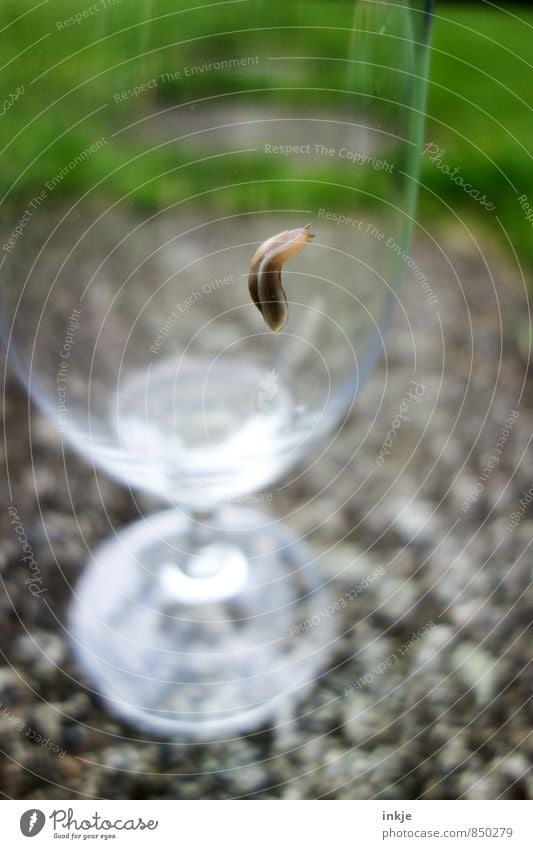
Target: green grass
[[479, 106], [481, 112]]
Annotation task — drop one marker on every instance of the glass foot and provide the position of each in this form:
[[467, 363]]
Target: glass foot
[[200, 632]]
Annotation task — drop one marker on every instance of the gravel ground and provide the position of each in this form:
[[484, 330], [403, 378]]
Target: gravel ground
[[427, 695]]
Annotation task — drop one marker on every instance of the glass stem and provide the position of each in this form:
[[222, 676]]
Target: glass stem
[[200, 535], [211, 567]]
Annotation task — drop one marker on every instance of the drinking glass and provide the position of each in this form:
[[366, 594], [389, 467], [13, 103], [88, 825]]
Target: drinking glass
[[149, 149]]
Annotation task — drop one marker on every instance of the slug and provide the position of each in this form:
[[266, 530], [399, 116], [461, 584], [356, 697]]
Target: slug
[[264, 281]]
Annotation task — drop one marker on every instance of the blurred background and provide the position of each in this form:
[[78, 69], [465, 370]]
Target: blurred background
[[479, 110], [449, 528]]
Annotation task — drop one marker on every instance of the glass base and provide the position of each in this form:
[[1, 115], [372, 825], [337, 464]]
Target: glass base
[[190, 631]]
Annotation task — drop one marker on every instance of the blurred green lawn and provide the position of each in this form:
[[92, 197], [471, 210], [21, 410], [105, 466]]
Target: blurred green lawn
[[481, 112], [479, 107]]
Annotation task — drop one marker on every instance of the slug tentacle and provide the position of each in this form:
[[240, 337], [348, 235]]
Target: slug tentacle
[[264, 281]]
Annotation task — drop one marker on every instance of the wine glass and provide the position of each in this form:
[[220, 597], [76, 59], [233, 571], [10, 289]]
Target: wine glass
[[151, 149]]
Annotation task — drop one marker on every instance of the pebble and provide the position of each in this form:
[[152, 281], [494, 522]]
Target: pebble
[[477, 668]]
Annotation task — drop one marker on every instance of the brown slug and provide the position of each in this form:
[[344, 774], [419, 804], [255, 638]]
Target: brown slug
[[264, 281]]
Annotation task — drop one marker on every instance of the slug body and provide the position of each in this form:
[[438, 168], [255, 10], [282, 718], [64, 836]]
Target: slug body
[[264, 281]]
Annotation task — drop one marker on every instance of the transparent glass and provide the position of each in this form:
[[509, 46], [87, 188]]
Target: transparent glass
[[150, 147]]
